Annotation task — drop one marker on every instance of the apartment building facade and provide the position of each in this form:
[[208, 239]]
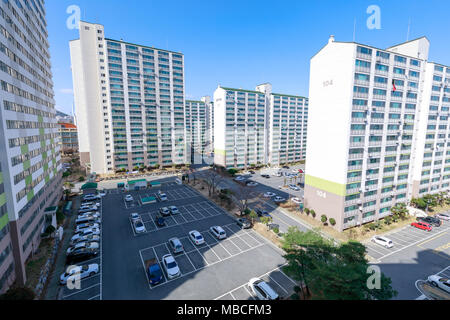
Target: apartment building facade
[[258, 127], [198, 122], [136, 94], [368, 116], [31, 176], [68, 137]]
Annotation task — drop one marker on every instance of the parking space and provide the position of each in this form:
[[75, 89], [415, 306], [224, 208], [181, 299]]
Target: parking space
[[404, 238], [213, 251], [277, 280]]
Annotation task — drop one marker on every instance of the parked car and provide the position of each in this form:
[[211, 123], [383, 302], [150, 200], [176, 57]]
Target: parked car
[[262, 213], [269, 194], [244, 223], [154, 272], [139, 226], [252, 184], [443, 216], [196, 237], [129, 198], [102, 193], [174, 210], [286, 167], [87, 209], [262, 290], [86, 226], [171, 266], [87, 245], [218, 232], [383, 241], [90, 214], [82, 254], [161, 196], [422, 225], [86, 219], [265, 176], [296, 200], [294, 187], [85, 232], [252, 172], [431, 220], [90, 203], [440, 282], [278, 199], [164, 211], [87, 238], [79, 272], [135, 216], [175, 245], [91, 197], [160, 221]]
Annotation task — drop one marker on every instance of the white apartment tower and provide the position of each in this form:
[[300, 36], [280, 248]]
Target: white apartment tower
[[30, 161], [258, 127], [198, 124], [129, 102], [375, 114]]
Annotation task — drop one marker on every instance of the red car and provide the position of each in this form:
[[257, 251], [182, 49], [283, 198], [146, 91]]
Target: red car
[[422, 225]]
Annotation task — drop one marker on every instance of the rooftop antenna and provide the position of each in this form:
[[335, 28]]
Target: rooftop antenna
[[354, 30], [409, 27]]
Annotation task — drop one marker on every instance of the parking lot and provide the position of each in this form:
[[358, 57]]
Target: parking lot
[[91, 287], [208, 271], [403, 238]]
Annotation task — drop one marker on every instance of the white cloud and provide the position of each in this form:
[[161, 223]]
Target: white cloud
[[66, 91]]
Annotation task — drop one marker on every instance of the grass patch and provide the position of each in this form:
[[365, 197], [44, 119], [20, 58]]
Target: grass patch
[[35, 264]]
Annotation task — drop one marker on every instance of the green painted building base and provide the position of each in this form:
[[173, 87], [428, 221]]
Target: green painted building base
[[326, 185]]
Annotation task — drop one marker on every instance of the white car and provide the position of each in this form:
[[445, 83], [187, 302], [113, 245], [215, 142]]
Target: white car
[[85, 232], [171, 266], [94, 215], [218, 232], [262, 290], [279, 199], [135, 216], [129, 198], [86, 238], [139, 226], [161, 196], [252, 184], [102, 194], [174, 210], [90, 197], [79, 271], [82, 227], [196, 237], [296, 200], [443, 216], [294, 187], [79, 245], [383, 241], [269, 195], [440, 282], [239, 178]]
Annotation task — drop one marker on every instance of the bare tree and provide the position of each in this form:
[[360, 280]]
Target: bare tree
[[212, 179], [242, 196]]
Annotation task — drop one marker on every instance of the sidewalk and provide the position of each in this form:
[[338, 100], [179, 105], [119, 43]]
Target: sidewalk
[[53, 287]]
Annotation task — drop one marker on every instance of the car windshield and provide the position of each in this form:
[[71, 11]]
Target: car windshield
[[198, 237], [172, 265], [139, 225]]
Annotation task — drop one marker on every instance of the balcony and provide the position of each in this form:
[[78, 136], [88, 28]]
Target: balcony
[[356, 144], [373, 165], [357, 167], [352, 191], [355, 156]]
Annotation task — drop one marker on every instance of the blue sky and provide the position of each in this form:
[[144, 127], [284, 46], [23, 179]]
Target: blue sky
[[244, 43]]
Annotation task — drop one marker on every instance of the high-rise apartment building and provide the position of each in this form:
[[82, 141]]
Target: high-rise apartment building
[[30, 178], [68, 137], [129, 102], [373, 119], [258, 127]]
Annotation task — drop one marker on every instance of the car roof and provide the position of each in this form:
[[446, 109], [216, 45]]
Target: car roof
[[168, 258], [267, 288]]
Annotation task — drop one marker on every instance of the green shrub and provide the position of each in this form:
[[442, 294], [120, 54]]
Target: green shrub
[[332, 221], [232, 172], [297, 289], [307, 211], [50, 229], [295, 296], [276, 230], [81, 179], [323, 218], [313, 213]]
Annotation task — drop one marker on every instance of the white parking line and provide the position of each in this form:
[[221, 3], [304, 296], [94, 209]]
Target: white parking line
[[92, 298], [72, 294], [250, 294], [160, 265], [278, 284]]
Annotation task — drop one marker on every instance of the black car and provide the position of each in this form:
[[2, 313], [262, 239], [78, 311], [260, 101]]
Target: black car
[[265, 176], [262, 213], [160, 222], [431, 220], [81, 254], [252, 172], [244, 223], [286, 167]]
